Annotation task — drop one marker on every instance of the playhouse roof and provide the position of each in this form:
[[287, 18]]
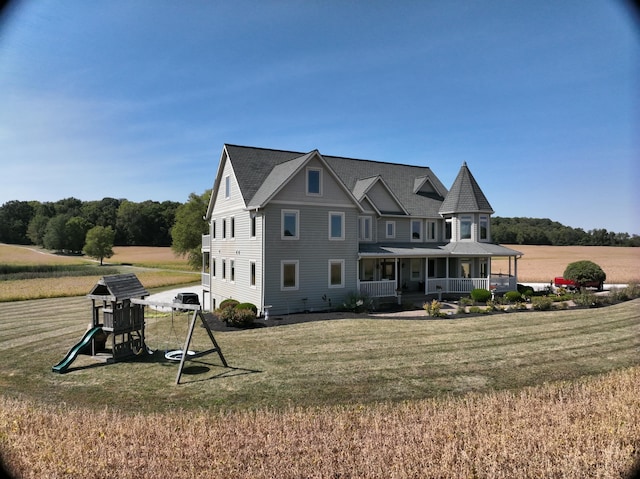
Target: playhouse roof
[[118, 287]]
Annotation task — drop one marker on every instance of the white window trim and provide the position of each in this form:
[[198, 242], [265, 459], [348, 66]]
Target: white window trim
[[213, 229], [212, 267], [342, 226], [253, 225], [253, 276], [223, 264], [341, 263], [232, 270], [460, 221], [386, 229], [306, 181], [227, 187], [483, 218], [297, 215], [232, 227], [361, 221], [420, 239], [296, 263]]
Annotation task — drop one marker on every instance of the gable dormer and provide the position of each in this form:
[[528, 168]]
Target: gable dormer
[[425, 186], [375, 190]]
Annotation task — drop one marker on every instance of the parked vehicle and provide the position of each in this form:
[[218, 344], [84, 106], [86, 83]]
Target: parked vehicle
[[187, 298], [560, 282]]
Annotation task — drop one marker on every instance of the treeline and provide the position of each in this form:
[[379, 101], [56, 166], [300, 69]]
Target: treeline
[[536, 231], [63, 225]]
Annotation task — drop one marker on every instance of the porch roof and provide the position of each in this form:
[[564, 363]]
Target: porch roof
[[394, 250]]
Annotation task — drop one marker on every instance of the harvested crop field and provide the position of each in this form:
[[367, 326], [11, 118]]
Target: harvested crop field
[[540, 264]]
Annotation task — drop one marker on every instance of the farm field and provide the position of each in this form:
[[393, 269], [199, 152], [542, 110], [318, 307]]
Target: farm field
[[352, 397], [541, 264], [155, 267]]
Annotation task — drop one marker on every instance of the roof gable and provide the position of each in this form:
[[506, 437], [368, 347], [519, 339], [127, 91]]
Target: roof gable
[[117, 287], [465, 195]]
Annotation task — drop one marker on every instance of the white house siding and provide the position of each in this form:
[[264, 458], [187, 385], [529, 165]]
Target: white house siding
[[383, 200]]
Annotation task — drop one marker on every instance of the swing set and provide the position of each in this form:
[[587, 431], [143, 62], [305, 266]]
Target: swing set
[[118, 314]]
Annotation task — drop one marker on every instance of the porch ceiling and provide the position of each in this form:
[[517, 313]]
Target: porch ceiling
[[395, 250]]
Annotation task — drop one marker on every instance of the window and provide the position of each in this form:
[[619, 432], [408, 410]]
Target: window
[[484, 270], [336, 226], [336, 273], [224, 228], [232, 270], [465, 227], [213, 267], [290, 224], [289, 275], [484, 227], [233, 226], [391, 229], [314, 181], [227, 187], [364, 228], [213, 228], [253, 225], [431, 233], [224, 269], [447, 229], [416, 230], [252, 273]]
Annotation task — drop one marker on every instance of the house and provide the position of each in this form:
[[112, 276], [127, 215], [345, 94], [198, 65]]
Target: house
[[292, 232]]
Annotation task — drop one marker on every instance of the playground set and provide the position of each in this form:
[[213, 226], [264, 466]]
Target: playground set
[[117, 329]]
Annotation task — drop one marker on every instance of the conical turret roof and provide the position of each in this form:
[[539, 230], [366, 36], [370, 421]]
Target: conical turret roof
[[465, 195]]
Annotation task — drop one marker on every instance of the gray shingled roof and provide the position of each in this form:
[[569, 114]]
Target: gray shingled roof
[[118, 287], [255, 166], [435, 249], [465, 195]]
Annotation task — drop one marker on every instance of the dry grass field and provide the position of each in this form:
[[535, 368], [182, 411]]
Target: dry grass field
[[589, 428], [541, 264]]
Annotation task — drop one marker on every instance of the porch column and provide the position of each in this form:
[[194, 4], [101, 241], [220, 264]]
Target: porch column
[[447, 272]]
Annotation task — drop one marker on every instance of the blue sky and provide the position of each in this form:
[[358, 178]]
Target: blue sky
[[135, 99]]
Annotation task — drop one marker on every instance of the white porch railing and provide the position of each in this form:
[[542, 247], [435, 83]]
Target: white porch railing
[[378, 289], [504, 283], [205, 279], [206, 243]]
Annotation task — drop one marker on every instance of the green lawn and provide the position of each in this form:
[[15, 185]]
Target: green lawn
[[317, 363]]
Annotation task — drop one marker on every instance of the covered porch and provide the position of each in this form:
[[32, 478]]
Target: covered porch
[[393, 270]]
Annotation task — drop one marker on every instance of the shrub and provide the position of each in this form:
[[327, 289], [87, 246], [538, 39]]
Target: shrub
[[464, 302], [526, 291], [513, 296], [236, 317], [584, 271], [560, 305], [433, 308], [358, 302], [481, 295], [586, 298], [542, 303], [251, 306], [229, 303]]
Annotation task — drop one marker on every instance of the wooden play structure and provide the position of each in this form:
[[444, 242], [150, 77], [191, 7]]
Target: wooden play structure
[[117, 329]]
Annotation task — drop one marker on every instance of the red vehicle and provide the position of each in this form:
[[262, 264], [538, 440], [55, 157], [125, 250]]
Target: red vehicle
[[560, 282]]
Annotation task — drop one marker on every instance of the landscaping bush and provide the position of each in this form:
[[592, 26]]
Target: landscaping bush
[[358, 302], [464, 302], [229, 303], [584, 271], [433, 308], [526, 291], [513, 296], [542, 303], [235, 317], [481, 295], [250, 306], [586, 299]]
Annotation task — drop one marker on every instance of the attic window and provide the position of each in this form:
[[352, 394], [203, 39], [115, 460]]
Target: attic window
[[314, 181], [227, 187]]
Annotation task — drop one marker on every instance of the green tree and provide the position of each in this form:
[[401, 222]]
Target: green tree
[[189, 227], [55, 233], [584, 271], [14, 221], [99, 243], [75, 233]]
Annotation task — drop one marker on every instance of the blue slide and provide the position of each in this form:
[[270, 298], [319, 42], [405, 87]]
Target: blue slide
[[63, 365]]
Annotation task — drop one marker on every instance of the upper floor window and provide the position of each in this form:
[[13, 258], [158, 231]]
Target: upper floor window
[[224, 228], [416, 230], [314, 181], [232, 270], [233, 226], [213, 228], [364, 228], [465, 227], [391, 229], [253, 225], [484, 227], [336, 225], [252, 273], [290, 224], [227, 187], [432, 231], [447, 229]]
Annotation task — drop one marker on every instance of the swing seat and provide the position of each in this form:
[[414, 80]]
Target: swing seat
[[176, 354]]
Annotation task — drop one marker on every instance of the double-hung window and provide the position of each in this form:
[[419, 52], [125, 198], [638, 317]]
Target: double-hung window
[[391, 229], [289, 275], [364, 228], [432, 232], [416, 230], [227, 187], [336, 225], [484, 227], [290, 226], [232, 221], [252, 274], [465, 227], [253, 225], [336, 273], [314, 181]]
